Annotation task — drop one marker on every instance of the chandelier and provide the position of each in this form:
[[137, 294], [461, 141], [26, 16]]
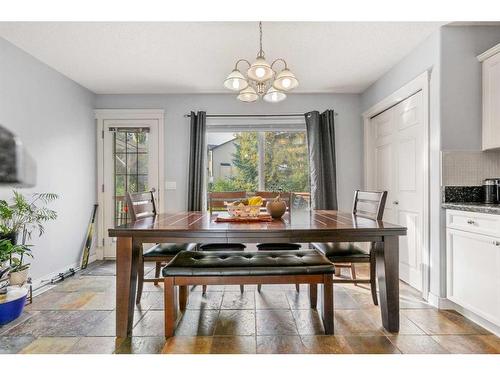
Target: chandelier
[[261, 79]]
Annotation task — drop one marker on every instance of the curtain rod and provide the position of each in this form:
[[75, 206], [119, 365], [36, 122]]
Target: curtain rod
[[252, 115]]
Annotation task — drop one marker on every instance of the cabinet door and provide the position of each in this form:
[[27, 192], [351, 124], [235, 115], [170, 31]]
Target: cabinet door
[[473, 274], [491, 100]]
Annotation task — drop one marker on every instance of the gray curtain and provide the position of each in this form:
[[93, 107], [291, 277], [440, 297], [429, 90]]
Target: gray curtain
[[321, 144], [197, 151]]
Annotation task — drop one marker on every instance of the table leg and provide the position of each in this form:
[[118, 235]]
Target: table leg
[[127, 255], [387, 255]]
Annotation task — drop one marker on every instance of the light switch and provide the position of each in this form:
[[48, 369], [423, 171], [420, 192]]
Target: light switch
[[170, 185]]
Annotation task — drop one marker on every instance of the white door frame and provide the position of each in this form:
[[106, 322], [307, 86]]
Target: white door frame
[[125, 114], [420, 83]]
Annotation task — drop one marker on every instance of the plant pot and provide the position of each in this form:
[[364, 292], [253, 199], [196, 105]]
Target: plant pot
[[12, 307], [18, 278]]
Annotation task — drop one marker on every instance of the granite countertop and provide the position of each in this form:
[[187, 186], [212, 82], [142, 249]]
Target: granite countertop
[[473, 207]]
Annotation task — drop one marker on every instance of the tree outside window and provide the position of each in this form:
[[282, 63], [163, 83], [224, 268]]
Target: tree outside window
[[270, 161]]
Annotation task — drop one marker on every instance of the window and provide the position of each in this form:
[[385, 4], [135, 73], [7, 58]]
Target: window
[[267, 160]]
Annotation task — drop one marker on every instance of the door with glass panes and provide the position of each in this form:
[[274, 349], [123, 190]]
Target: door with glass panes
[[131, 164]]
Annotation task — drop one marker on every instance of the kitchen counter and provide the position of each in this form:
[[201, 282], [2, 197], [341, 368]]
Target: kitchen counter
[[473, 207]]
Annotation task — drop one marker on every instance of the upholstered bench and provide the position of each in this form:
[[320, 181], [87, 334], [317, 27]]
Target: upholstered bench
[[236, 268]]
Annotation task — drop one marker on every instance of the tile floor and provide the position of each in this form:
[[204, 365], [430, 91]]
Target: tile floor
[[77, 316]]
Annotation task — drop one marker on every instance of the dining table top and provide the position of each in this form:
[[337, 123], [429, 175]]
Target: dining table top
[[299, 222]]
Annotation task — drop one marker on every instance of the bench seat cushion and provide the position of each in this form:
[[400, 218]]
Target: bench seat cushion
[[169, 249], [262, 263]]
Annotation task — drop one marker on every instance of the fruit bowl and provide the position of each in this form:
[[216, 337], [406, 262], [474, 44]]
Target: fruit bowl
[[241, 210]]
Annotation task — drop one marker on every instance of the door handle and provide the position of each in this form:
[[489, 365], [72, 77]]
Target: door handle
[[496, 243], [395, 202]]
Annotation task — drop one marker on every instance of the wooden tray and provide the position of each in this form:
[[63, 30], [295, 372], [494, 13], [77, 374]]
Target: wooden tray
[[224, 217]]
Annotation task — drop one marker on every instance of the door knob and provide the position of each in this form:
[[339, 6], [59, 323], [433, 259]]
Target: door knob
[[395, 202]]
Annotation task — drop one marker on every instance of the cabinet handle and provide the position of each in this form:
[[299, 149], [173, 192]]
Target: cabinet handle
[[470, 221], [396, 202], [496, 243]]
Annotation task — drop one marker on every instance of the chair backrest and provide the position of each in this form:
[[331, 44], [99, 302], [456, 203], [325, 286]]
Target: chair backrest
[[216, 199], [369, 204], [141, 205], [270, 195]]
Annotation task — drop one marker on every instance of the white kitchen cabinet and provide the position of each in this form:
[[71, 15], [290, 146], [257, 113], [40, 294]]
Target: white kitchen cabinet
[[491, 97], [473, 268]]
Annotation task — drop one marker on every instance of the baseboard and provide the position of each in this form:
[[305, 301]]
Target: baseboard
[[434, 300], [446, 304], [42, 284]]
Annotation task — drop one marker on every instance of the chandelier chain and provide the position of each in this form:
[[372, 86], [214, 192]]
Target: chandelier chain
[[261, 52]]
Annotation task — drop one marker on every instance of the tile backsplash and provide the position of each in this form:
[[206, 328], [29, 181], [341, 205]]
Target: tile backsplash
[[469, 168]]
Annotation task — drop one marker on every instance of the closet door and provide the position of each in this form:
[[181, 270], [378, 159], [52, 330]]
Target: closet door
[[398, 153]]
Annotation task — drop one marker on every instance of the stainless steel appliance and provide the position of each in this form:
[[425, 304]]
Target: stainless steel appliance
[[491, 187]]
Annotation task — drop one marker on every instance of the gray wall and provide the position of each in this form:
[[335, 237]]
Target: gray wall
[[54, 118], [461, 84], [349, 135], [426, 57]]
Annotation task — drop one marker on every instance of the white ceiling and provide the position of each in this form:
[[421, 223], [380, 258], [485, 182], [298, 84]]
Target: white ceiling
[[195, 57]]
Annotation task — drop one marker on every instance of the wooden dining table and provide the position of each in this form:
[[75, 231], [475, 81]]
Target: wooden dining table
[[301, 226]]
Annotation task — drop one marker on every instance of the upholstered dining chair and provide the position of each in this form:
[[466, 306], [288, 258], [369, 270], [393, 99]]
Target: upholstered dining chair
[[287, 197], [216, 203], [141, 206], [368, 205]]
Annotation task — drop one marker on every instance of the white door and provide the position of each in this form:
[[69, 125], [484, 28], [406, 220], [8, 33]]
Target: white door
[[399, 156], [131, 163]]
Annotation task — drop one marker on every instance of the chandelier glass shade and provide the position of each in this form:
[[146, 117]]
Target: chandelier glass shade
[[261, 79], [274, 96], [248, 95], [236, 81]]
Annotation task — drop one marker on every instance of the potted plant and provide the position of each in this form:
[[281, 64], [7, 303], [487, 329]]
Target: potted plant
[[18, 221], [12, 298]]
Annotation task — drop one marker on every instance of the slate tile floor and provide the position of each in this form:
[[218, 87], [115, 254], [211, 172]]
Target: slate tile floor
[[77, 316]]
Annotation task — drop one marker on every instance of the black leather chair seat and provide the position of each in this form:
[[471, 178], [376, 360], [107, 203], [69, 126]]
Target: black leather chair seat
[[222, 246], [278, 246], [340, 252], [262, 263], [169, 249]]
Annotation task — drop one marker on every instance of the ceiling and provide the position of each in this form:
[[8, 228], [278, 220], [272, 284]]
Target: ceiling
[[195, 57]]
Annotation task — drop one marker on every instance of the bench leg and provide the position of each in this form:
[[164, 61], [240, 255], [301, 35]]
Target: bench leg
[[183, 297], [169, 306], [313, 295], [328, 304]]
